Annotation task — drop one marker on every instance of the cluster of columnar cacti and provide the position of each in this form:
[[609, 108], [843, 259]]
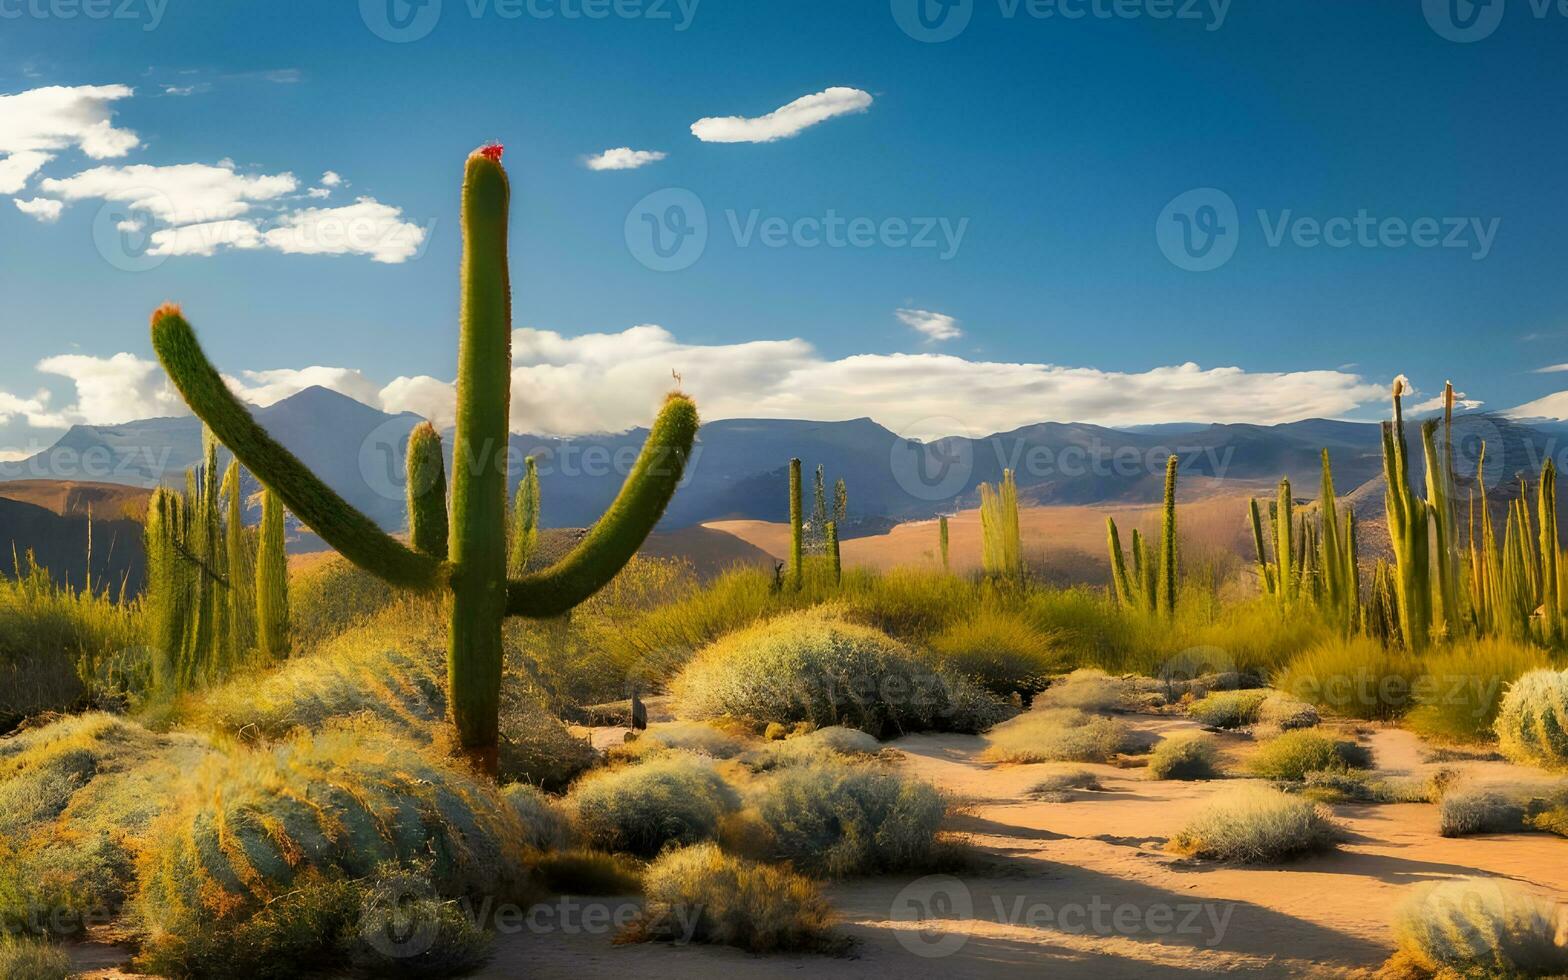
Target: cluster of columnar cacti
[[1314, 563], [1154, 581], [1001, 552], [525, 519], [1516, 587], [210, 591], [474, 568], [818, 538]]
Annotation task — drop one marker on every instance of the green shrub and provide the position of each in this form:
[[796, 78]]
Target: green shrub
[[1058, 735], [589, 873], [1292, 755], [1475, 811], [823, 743], [1355, 678], [1461, 690], [1253, 824], [32, 959], [342, 801], [1281, 712], [1475, 927], [1358, 786], [692, 736], [1532, 722], [669, 799], [1191, 756], [1002, 652], [1059, 788], [836, 819], [818, 667], [700, 894], [1228, 709], [1089, 689], [545, 826]]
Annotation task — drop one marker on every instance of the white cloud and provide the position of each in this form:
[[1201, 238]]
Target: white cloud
[[624, 158], [614, 381], [1553, 406], [330, 179], [182, 194], [204, 238], [1551, 369], [366, 227], [34, 410], [783, 122], [933, 326], [44, 209], [36, 124], [1462, 401]]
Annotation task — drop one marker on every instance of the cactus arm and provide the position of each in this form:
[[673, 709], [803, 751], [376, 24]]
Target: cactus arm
[[1168, 556], [623, 528], [352, 533], [1265, 574], [1123, 585], [427, 525]]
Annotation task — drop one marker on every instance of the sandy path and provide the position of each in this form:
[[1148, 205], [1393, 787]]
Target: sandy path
[[1083, 889]]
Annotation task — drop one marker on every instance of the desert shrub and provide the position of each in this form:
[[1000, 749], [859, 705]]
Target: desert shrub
[[1002, 652], [545, 826], [1058, 735], [1191, 756], [692, 736], [1059, 787], [1461, 690], [823, 743], [701, 894], [1476, 811], [1360, 786], [32, 959], [328, 595], [1228, 709], [1354, 678], [1281, 712], [1253, 824], [389, 924], [1292, 755], [816, 666], [670, 799], [343, 801], [1532, 722], [833, 818], [1475, 927], [584, 872], [1089, 689]]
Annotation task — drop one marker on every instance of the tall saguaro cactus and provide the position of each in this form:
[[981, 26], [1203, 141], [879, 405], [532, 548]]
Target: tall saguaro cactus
[[1168, 556], [474, 571], [272, 582], [797, 542], [525, 519]]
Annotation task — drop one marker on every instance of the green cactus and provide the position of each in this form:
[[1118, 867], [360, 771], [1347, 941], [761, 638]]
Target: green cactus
[[1144, 572], [1409, 520], [241, 591], [1119, 579], [835, 562], [427, 521], [1168, 551], [525, 519], [474, 571], [272, 583], [797, 540], [941, 538], [1285, 564], [840, 501], [1546, 503], [1266, 579], [1440, 505], [819, 512]]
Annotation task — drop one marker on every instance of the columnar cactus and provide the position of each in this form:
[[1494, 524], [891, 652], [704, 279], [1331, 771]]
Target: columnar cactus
[[941, 536], [1284, 551], [1266, 580], [241, 592], [474, 571], [272, 582], [426, 486], [1546, 502], [835, 563], [1119, 579], [797, 541], [1408, 523], [840, 501], [1439, 502], [1168, 557], [819, 511], [525, 519]]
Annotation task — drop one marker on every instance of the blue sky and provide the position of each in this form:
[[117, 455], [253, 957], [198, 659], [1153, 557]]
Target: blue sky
[[1054, 145]]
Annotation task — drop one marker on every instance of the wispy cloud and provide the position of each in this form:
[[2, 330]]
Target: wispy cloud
[[1551, 369], [933, 326], [783, 122], [624, 158]]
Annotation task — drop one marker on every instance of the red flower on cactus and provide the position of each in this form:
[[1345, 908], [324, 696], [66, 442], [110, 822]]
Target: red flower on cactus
[[492, 151]]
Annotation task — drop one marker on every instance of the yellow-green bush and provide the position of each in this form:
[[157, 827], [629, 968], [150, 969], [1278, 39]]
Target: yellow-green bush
[[1461, 689], [700, 894], [1188, 756], [1251, 824], [32, 959], [1228, 709], [342, 801], [813, 746], [331, 595], [1003, 652], [1475, 927], [1089, 689], [1059, 787], [697, 737], [1532, 722], [1354, 678], [1058, 735], [1292, 755], [834, 818], [673, 798], [546, 827], [816, 666]]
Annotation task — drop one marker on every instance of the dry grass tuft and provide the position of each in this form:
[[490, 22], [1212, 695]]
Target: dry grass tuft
[[1253, 824]]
